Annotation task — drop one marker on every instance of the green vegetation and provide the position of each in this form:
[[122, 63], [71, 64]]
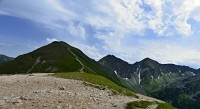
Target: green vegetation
[[96, 79], [183, 100], [61, 57], [138, 104], [50, 58], [56, 57], [145, 104], [165, 106]]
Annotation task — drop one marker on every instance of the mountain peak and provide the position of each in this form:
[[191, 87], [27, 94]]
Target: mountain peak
[[3, 55], [147, 59], [59, 42], [57, 56], [148, 62], [110, 56], [4, 58]]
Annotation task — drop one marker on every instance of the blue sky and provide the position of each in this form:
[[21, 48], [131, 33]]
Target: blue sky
[[165, 30]]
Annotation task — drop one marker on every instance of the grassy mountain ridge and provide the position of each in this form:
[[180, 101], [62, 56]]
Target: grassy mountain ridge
[[54, 57], [49, 58], [57, 57]]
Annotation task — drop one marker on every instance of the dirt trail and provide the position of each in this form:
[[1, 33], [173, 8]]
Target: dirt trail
[[40, 91], [77, 59]]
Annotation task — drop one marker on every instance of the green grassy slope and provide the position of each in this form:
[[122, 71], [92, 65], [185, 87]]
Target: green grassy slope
[[51, 58], [102, 83], [56, 57], [146, 104]]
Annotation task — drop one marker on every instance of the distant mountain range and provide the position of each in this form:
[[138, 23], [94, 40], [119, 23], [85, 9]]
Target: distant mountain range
[[178, 85], [147, 72], [4, 58]]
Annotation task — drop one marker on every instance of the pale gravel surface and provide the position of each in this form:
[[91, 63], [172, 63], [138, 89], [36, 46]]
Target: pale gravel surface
[[40, 91]]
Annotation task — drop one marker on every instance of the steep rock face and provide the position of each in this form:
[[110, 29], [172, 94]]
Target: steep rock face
[[4, 58]]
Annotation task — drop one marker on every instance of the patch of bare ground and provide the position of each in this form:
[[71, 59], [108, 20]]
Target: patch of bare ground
[[40, 91]]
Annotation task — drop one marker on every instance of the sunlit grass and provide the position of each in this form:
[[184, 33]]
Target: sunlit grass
[[145, 104]]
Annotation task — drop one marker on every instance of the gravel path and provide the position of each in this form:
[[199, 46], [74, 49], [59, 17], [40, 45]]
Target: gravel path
[[40, 91]]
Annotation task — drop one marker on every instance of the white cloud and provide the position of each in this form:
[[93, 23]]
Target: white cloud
[[168, 52], [5, 44], [49, 40], [47, 12], [195, 14], [181, 12], [111, 21], [121, 15], [76, 30], [155, 14], [4, 13], [164, 52], [91, 51]]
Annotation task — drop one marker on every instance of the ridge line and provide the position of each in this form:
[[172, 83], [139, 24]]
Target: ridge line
[[77, 59]]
